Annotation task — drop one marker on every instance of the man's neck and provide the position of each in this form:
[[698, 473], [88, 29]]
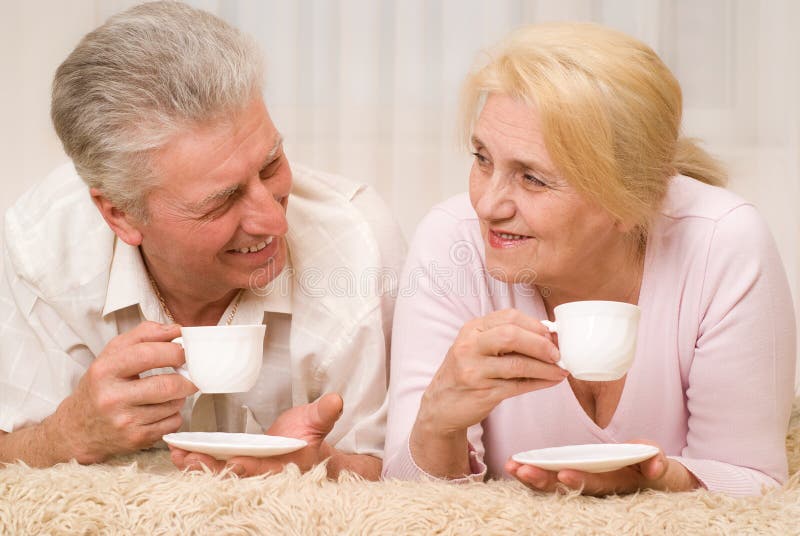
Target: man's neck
[[188, 306]]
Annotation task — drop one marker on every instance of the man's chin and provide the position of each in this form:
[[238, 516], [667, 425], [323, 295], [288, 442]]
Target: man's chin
[[261, 277]]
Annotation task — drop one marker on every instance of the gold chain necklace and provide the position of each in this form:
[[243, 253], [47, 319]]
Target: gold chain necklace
[[171, 318]]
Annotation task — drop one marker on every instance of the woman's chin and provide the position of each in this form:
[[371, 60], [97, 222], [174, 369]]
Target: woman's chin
[[512, 274]]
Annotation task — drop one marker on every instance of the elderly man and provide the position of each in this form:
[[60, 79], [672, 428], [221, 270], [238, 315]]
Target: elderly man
[[188, 215]]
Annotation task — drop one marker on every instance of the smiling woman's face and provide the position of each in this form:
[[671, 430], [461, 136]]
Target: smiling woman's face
[[537, 228]]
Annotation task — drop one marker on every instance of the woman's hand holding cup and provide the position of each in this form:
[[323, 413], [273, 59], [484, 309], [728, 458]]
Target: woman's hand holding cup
[[495, 357]]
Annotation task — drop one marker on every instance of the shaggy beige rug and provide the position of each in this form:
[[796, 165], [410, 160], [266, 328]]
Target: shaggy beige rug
[[145, 494]]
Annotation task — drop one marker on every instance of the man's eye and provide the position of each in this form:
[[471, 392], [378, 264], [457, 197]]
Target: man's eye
[[482, 160], [271, 169], [216, 211]]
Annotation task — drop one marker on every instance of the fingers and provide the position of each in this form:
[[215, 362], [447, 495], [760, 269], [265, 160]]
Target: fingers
[[510, 338], [655, 468], [513, 317], [625, 480], [517, 366], [167, 425], [196, 461], [251, 466], [177, 456], [132, 360], [324, 413], [510, 388], [152, 413], [158, 389], [146, 332], [533, 477]]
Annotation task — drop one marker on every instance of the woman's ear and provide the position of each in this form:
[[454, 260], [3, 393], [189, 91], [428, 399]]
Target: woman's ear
[[121, 222], [624, 227]]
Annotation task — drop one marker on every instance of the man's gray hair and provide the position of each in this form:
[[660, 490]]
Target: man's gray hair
[[137, 80]]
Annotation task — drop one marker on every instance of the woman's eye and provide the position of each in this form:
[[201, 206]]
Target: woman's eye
[[533, 180]]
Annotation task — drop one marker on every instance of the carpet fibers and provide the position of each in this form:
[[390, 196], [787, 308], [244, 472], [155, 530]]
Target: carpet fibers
[[145, 494]]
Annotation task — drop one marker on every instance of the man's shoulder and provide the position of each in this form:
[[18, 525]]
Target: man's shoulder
[[54, 235], [315, 185], [329, 204], [340, 232]]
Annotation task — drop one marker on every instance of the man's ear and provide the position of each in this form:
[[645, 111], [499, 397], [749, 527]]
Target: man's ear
[[123, 225]]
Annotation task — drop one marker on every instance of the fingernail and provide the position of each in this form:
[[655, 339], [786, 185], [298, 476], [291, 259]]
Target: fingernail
[[555, 355]]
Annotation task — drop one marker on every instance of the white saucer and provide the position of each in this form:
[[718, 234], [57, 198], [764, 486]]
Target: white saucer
[[596, 458], [222, 445]]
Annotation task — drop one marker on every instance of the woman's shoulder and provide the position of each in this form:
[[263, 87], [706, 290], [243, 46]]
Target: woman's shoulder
[[719, 214], [452, 218], [690, 198], [455, 210], [448, 226], [709, 231]]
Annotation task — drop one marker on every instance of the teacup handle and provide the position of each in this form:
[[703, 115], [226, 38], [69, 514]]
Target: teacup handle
[[182, 370], [552, 327]]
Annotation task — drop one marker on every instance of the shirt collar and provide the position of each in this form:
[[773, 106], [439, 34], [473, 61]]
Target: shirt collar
[[129, 284]]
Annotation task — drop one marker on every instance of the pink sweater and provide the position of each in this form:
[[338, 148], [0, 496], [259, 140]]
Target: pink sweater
[[712, 381]]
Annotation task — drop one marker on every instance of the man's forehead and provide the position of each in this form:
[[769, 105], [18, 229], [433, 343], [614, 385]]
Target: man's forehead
[[230, 186]]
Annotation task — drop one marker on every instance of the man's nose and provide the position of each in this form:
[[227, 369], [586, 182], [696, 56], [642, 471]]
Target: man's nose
[[496, 201], [264, 213]]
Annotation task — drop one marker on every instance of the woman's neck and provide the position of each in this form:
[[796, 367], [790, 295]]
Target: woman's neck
[[613, 278]]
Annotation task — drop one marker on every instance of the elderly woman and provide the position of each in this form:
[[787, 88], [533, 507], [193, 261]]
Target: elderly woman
[[583, 189]]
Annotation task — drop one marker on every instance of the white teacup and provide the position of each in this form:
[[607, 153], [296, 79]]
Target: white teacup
[[222, 359], [597, 339]]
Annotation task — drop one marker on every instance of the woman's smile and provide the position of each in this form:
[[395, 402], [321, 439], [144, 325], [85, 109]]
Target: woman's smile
[[500, 239]]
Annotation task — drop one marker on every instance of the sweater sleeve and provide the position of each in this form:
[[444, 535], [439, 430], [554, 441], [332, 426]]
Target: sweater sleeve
[[428, 316], [740, 384]]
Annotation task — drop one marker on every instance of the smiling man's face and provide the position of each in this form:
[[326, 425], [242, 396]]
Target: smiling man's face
[[218, 215]]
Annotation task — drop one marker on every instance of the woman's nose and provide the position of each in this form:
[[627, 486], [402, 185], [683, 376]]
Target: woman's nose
[[495, 202]]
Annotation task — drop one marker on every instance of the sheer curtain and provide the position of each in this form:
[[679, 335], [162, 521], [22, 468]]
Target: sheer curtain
[[368, 88]]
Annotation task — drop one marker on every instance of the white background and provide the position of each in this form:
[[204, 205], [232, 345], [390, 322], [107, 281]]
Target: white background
[[368, 88]]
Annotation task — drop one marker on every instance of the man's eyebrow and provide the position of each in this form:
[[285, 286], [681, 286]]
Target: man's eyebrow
[[216, 196], [273, 152], [232, 189]]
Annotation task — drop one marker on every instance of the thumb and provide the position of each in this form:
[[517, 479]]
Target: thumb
[[325, 412]]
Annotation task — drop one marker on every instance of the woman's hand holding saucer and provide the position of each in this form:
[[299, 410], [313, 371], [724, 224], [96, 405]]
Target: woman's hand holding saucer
[[658, 472]]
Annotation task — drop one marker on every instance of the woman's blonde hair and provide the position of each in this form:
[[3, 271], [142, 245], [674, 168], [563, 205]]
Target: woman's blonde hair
[[610, 113]]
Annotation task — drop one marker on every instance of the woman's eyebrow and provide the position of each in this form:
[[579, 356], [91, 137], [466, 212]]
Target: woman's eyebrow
[[524, 163]]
